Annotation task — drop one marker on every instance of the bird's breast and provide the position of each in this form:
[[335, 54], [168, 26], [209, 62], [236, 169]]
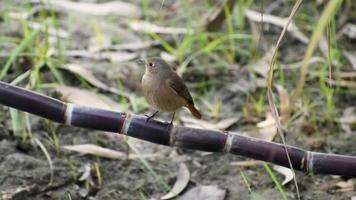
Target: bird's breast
[[159, 95]]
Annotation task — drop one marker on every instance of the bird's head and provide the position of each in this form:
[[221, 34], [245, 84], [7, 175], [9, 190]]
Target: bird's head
[[155, 65]]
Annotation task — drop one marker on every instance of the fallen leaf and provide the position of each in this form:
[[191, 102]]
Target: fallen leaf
[[266, 133], [286, 172], [342, 83], [85, 170], [57, 32], [216, 16], [96, 150], [246, 163], [86, 98], [133, 46], [350, 30], [108, 8], [269, 121], [147, 27], [324, 46], [351, 57], [347, 119], [346, 186], [278, 21], [182, 181], [169, 58], [347, 75], [204, 192], [113, 56], [262, 65], [9, 194], [285, 103], [105, 152], [297, 65], [87, 74], [267, 128]]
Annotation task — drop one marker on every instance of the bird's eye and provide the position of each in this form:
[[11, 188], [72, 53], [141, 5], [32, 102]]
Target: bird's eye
[[151, 64]]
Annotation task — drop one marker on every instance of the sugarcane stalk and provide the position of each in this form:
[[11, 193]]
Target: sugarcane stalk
[[165, 134]]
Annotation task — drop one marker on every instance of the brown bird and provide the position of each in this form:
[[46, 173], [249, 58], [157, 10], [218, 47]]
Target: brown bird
[[164, 90]]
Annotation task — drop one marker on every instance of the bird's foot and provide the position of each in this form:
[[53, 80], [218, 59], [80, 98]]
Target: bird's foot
[[149, 117], [171, 123], [170, 126]]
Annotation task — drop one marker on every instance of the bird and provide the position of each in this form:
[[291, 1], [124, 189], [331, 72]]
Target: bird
[[164, 90]]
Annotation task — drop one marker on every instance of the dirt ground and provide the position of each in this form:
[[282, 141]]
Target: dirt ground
[[228, 86]]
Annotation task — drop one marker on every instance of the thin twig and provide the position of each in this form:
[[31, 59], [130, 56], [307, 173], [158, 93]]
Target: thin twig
[[270, 94]]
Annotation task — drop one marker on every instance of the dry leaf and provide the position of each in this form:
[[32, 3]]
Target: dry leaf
[[285, 103], [262, 65], [86, 98], [342, 83], [345, 186], [85, 170], [113, 56], [348, 117], [351, 57], [246, 163], [286, 172], [350, 30], [147, 27], [267, 128], [9, 194], [169, 58], [105, 152], [324, 46], [182, 181], [108, 8], [216, 16], [297, 65], [96, 150], [134, 46], [57, 32], [278, 21], [204, 192], [87, 74]]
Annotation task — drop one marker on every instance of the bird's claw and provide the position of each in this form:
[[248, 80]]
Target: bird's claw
[[150, 116]]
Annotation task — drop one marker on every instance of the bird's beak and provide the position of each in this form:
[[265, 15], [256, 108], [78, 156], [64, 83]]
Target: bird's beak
[[141, 61]]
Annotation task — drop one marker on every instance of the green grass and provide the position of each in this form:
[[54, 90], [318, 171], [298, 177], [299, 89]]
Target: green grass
[[231, 30], [324, 20], [327, 70], [275, 181], [26, 42]]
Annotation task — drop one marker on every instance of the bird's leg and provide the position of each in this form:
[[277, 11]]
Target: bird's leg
[[171, 124], [152, 116]]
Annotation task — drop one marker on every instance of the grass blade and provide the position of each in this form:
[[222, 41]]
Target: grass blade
[[25, 43], [274, 179], [325, 18]]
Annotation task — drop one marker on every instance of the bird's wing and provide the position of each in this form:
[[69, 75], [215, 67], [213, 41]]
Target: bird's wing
[[178, 87]]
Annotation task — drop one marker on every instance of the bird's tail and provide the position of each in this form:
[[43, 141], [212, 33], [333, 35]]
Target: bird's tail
[[193, 110]]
